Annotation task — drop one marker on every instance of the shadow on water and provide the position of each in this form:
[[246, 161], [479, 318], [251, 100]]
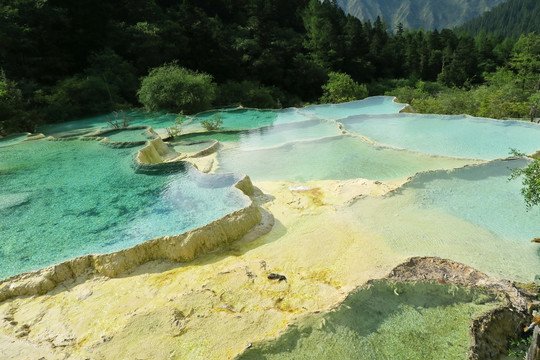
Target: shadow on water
[[485, 171], [385, 320]]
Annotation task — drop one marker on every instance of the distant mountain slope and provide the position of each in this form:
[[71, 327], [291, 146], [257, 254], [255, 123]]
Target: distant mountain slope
[[428, 14], [512, 18]]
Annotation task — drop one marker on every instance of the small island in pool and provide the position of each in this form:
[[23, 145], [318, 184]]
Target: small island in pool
[[299, 232]]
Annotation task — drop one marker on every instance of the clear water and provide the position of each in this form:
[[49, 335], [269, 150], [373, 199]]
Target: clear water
[[243, 119], [291, 115], [233, 119], [273, 135], [460, 136], [13, 139], [138, 118], [236, 119], [371, 105], [336, 158], [75, 127], [127, 135], [190, 148], [221, 136], [472, 215], [504, 214], [70, 198], [425, 321]]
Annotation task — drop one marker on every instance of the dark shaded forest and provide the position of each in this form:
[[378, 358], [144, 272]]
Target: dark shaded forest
[[62, 59], [511, 18]]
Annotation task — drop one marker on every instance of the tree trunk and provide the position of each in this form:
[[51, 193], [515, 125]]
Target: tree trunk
[[534, 349]]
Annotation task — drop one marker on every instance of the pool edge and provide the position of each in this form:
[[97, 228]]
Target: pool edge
[[183, 247]]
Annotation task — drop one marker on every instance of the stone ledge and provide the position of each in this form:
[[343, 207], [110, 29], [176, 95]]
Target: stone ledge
[[182, 247]]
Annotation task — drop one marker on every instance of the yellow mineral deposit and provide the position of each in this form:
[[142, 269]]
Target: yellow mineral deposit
[[215, 306]]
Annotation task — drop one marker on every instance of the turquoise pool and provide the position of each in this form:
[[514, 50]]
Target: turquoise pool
[[75, 197], [332, 158], [371, 105], [12, 139], [70, 198], [127, 135], [233, 118], [461, 136], [504, 214], [156, 120], [269, 136], [243, 119], [188, 148], [63, 199]]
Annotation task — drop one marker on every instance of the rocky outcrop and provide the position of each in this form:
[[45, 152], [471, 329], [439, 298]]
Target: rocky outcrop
[[153, 152], [491, 331], [184, 247], [35, 137]]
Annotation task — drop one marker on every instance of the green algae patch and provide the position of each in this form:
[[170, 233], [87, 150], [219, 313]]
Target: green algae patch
[[386, 320]]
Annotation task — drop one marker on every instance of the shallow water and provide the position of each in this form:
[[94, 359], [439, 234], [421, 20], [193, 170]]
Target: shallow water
[[12, 139], [460, 136], [233, 118], [334, 158], [70, 198], [62, 199], [472, 215], [127, 135], [371, 105], [271, 135], [245, 119], [156, 120], [190, 148], [385, 321]]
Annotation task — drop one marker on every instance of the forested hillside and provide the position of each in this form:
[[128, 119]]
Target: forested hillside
[[61, 59], [512, 18], [415, 14]]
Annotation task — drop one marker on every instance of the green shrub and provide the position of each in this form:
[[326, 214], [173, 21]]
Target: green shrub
[[406, 94], [451, 102], [117, 75], [387, 86], [431, 88], [11, 102], [175, 130], [341, 88], [249, 94], [212, 124], [502, 103], [76, 96], [171, 87], [530, 179], [120, 120]]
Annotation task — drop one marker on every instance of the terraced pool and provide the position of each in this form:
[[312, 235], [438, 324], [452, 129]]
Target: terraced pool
[[460, 136], [109, 206], [63, 199], [71, 198]]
